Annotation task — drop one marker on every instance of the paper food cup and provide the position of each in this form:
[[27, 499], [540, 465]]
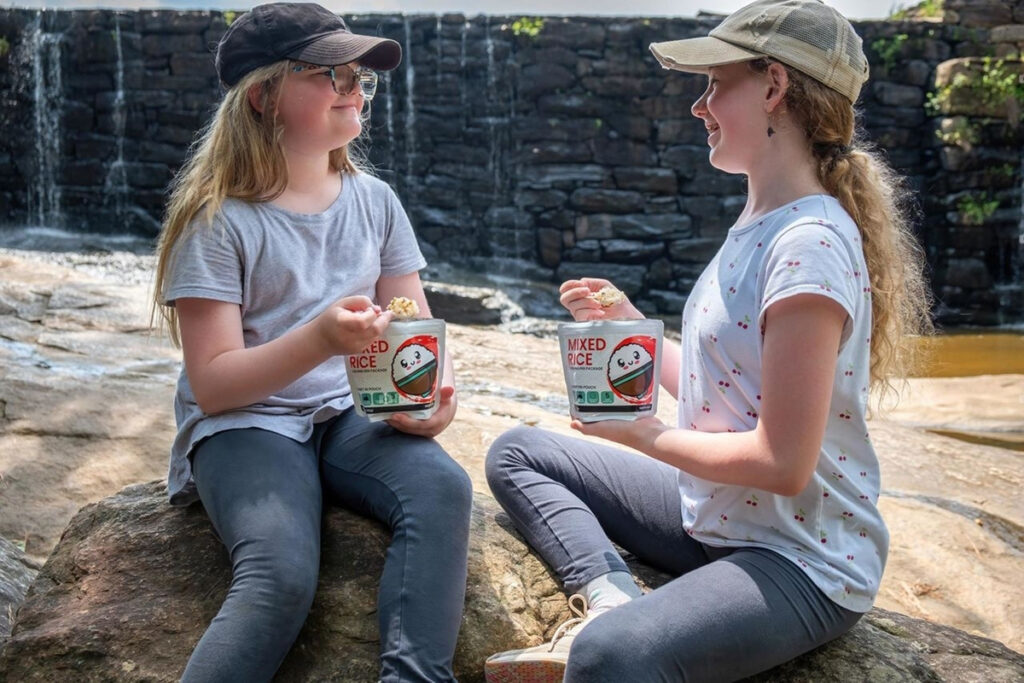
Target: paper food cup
[[612, 368], [401, 372]]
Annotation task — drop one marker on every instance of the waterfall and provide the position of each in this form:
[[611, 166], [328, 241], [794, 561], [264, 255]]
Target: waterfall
[[44, 194], [437, 72], [462, 71], [115, 187], [410, 110], [495, 160], [1018, 263], [389, 120]]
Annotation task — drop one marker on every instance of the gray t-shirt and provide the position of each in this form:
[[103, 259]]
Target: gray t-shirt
[[283, 269]]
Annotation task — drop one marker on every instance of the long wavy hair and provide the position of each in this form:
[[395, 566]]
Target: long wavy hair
[[880, 203], [237, 154]]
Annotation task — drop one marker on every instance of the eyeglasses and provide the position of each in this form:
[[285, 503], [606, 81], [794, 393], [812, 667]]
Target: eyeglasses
[[345, 79]]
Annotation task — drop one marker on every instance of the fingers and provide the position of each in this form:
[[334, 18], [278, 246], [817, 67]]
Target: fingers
[[358, 304], [380, 322], [592, 284], [433, 425]]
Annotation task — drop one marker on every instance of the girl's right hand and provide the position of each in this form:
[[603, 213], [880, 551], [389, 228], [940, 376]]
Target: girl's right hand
[[349, 325], [576, 298]]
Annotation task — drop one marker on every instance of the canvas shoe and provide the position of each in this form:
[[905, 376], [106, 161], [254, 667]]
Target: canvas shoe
[[542, 663]]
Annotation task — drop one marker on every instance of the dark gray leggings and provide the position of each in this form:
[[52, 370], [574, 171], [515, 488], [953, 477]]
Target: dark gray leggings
[[262, 491], [729, 614]]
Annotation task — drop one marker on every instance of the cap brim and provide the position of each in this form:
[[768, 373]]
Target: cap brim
[[697, 55], [341, 47]]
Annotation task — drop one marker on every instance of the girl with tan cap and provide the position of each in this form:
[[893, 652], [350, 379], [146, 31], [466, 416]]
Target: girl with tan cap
[[275, 249], [763, 502]]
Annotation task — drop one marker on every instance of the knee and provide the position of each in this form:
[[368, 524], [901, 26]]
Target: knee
[[601, 653], [282, 587], [507, 451], [447, 485]]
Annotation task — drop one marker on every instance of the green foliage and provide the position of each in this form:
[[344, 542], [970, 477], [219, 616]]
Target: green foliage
[[1006, 170], [976, 209], [528, 26], [229, 17], [5, 46], [994, 86], [927, 9], [961, 134], [888, 49]]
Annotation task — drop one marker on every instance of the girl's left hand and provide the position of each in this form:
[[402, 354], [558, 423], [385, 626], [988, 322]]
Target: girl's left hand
[[635, 434], [433, 425]]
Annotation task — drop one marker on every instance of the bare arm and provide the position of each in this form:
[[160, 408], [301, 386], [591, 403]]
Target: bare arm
[[411, 287], [801, 345], [226, 375]]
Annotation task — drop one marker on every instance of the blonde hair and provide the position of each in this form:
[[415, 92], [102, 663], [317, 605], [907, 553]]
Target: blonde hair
[[237, 154], [879, 201]]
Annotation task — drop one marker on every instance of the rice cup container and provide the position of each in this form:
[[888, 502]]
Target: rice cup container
[[400, 372], [612, 368]]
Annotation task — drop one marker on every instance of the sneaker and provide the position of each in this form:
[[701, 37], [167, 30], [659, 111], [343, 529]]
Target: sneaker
[[542, 663]]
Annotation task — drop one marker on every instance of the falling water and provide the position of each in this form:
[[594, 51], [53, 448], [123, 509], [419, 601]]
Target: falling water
[[492, 97], [439, 53], [1018, 263], [44, 195], [389, 119], [115, 187], [410, 108], [462, 70]]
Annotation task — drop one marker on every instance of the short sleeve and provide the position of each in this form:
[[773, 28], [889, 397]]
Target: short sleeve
[[207, 263], [811, 258], [400, 253]]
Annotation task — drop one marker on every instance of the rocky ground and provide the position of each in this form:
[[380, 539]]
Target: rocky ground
[[85, 409]]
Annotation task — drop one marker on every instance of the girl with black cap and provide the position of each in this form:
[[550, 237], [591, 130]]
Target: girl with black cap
[[274, 249], [763, 503]]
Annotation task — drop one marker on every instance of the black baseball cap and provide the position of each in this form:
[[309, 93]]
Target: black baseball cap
[[303, 31]]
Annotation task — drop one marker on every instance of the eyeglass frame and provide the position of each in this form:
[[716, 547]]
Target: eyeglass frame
[[365, 78]]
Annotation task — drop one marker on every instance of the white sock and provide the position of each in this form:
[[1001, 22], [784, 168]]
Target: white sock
[[608, 591]]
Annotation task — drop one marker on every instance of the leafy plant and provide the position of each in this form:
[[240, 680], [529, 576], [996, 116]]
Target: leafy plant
[[976, 209], [961, 133], [927, 9], [888, 49], [5, 46], [1006, 170], [229, 17], [528, 26], [995, 86]]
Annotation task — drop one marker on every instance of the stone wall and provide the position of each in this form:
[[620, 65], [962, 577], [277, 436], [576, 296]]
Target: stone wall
[[558, 143]]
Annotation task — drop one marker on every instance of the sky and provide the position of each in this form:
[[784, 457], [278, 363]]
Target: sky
[[854, 9]]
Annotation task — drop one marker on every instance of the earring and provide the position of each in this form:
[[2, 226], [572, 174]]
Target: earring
[[771, 131]]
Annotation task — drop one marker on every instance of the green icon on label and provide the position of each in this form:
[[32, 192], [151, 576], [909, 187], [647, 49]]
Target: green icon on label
[[581, 397], [391, 398], [365, 398], [593, 397], [378, 398], [607, 397]]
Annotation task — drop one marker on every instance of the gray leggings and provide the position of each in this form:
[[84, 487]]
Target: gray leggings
[[263, 493], [730, 613]]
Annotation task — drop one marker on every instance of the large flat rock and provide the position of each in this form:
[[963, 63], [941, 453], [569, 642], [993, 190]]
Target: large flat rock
[[85, 410], [133, 582]]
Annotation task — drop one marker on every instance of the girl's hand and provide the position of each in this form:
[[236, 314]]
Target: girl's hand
[[349, 325], [433, 425], [637, 434], [576, 297]]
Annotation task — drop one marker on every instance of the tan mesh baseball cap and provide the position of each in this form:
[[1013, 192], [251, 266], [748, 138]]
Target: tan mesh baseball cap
[[804, 34]]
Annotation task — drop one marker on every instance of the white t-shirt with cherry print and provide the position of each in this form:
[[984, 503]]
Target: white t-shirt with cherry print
[[832, 529]]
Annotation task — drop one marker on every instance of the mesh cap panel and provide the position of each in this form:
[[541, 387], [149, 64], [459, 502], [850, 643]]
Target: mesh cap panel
[[807, 35]]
